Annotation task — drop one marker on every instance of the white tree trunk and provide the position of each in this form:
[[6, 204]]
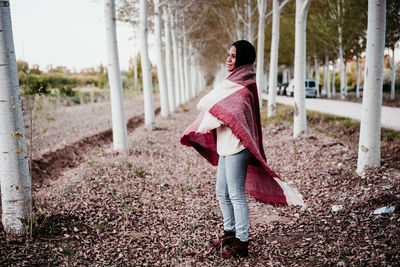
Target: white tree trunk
[[300, 123], [310, 71], [262, 6], [250, 33], [186, 64], [120, 136], [162, 80], [325, 75], [333, 79], [370, 128], [393, 65], [358, 77], [345, 78], [149, 115], [135, 71], [316, 64], [273, 64], [16, 197], [284, 76], [328, 81], [168, 59], [182, 74], [193, 84], [177, 87]]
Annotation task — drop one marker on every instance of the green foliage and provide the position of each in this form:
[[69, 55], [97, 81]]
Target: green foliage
[[59, 81], [102, 78], [283, 113], [286, 35], [392, 23]]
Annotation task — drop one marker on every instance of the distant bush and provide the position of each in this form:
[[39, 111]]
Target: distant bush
[[45, 83]]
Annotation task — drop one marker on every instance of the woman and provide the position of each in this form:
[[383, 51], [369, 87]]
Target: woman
[[228, 134]]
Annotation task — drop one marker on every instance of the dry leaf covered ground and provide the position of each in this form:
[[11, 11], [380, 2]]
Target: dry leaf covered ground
[[156, 205]]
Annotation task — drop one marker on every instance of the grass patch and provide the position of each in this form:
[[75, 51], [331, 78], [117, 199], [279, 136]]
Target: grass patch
[[140, 172], [283, 113], [344, 129]]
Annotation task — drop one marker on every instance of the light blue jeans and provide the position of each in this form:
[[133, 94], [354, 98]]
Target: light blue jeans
[[231, 180]]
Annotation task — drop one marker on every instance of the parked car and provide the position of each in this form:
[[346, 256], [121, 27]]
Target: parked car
[[310, 86]]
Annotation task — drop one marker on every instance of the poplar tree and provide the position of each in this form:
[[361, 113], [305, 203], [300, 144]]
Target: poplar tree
[[16, 199], [370, 127], [120, 136]]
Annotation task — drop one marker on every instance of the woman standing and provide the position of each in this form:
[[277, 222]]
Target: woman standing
[[228, 134]]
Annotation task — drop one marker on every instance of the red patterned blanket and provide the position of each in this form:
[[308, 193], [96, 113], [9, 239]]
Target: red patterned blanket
[[235, 104]]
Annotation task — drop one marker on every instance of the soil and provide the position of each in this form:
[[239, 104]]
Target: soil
[[156, 204]]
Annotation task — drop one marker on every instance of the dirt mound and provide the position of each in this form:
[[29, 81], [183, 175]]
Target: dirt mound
[[52, 164]]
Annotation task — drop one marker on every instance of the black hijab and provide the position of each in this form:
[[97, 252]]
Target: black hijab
[[245, 53]]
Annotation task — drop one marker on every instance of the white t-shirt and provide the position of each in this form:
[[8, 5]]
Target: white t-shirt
[[227, 143]]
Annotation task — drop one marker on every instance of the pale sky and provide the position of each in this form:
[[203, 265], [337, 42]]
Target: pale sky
[[70, 33], [66, 32]]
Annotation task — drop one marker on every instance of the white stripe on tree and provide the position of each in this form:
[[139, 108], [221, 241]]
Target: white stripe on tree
[[14, 169], [162, 81], [370, 127], [120, 136], [149, 115]]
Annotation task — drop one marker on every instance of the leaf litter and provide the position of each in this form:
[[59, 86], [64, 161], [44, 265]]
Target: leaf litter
[[156, 206]]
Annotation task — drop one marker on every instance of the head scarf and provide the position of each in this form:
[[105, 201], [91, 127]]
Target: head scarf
[[245, 53]]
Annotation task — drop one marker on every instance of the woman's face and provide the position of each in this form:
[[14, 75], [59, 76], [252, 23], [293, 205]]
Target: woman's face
[[231, 60]]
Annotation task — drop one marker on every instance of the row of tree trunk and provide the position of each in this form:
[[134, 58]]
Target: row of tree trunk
[[179, 81], [369, 142]]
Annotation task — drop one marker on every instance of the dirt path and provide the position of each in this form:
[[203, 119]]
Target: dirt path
[[62, 137], [156, 206]]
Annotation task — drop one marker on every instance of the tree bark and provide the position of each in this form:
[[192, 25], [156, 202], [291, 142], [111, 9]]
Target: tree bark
[[14, 169], [341, 66], [162, 80], [186, 65], [316, 63], [168, 59], [370, 128], [325, 75], [333, 80], [358, 77], [177, 84], [300, 123], [149, 114], [262, 6], [392, 88], [345, 78], [120, 135], [328, 81], [250, 34], [273, 64], [182, 74]]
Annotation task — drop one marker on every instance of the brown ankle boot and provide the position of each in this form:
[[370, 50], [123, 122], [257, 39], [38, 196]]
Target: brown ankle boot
[[224, 240], [236, 249]]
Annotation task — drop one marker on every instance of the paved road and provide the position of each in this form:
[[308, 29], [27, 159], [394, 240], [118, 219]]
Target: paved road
[[390, 116]]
